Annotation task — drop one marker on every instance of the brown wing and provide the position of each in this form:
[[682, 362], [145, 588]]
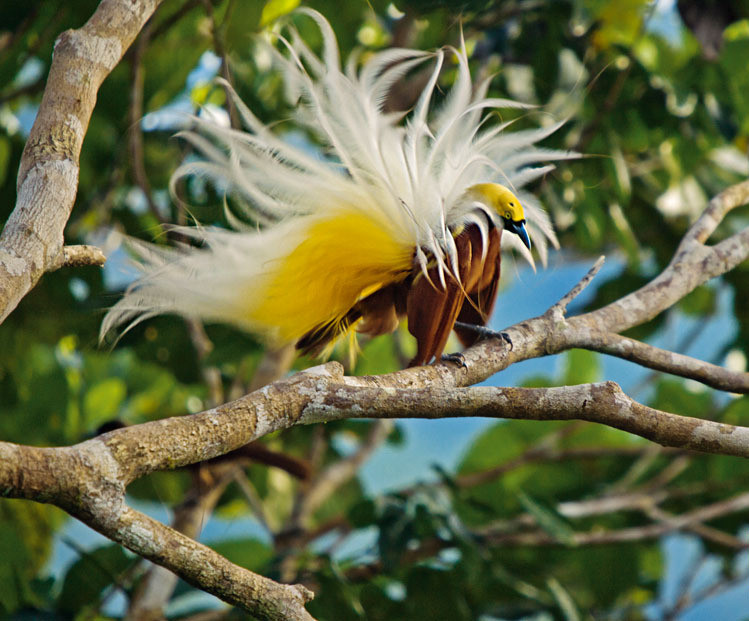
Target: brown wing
[[379, 313], [433, 309], [478, 306]]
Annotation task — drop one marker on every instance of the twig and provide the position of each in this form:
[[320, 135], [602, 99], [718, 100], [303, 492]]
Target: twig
[[498, 536], [253, 499], [716, 210], [274, 364], [203, 346], [692, 265], [260, 453], [135, 116], [708, 533], [340, 472], [79, 256], [561, 306], [220, 49]]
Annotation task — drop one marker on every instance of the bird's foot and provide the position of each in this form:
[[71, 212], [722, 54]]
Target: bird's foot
[[485, 332], [457, 358]]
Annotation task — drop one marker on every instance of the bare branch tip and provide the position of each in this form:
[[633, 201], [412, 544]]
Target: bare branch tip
[[304, 592], [579, 287], [80, 256]]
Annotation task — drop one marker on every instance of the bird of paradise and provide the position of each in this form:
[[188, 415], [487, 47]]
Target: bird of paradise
[[404, 220]]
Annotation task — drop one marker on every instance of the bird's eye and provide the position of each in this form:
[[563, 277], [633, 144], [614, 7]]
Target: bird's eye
[[508, 215]]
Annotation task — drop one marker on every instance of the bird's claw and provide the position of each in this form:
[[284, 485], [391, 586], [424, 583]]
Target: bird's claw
[[457, 358], [485, 332], [506, 338]]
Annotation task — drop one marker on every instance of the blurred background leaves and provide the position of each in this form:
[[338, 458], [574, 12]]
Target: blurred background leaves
[[534, 520]]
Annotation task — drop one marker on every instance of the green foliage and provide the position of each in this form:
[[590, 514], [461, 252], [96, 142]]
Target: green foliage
[[248, 553], [90, 575], [662, 128], [27, 534]]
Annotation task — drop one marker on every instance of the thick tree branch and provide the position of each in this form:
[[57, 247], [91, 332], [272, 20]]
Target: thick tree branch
[[603, 403], [32, 239], [157, 586], [89, 479], [208, 570]]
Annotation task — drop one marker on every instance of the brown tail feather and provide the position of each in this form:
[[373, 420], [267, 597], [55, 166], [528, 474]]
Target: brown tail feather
[[432, 310]]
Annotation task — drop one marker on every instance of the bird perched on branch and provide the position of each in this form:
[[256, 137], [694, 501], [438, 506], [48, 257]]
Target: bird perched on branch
[[404, 219]]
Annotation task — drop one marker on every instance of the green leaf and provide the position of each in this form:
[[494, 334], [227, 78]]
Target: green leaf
[[15, 557], [378, 356], [564, 600], [5, 150], [275, 9], [702, 302], [363, 513], [90, 575], [581, 367], [436, 595], [548, 520], [733, 60], [166, 487], [251, 554], [684, 398], [102, 401], [335, 599]]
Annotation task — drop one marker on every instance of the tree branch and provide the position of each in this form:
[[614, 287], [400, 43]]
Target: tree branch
[[135, 116], [552, 333], [603, 403], [32, 239], [79, 256], [663, 360], [88, 480], [156, 587]]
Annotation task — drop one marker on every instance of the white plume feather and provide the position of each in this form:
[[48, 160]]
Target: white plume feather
[[411, 178]]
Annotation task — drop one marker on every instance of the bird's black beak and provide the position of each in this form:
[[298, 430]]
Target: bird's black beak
[[518, 227]]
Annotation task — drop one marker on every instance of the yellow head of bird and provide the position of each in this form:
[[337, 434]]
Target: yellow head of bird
[[506, 205]]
